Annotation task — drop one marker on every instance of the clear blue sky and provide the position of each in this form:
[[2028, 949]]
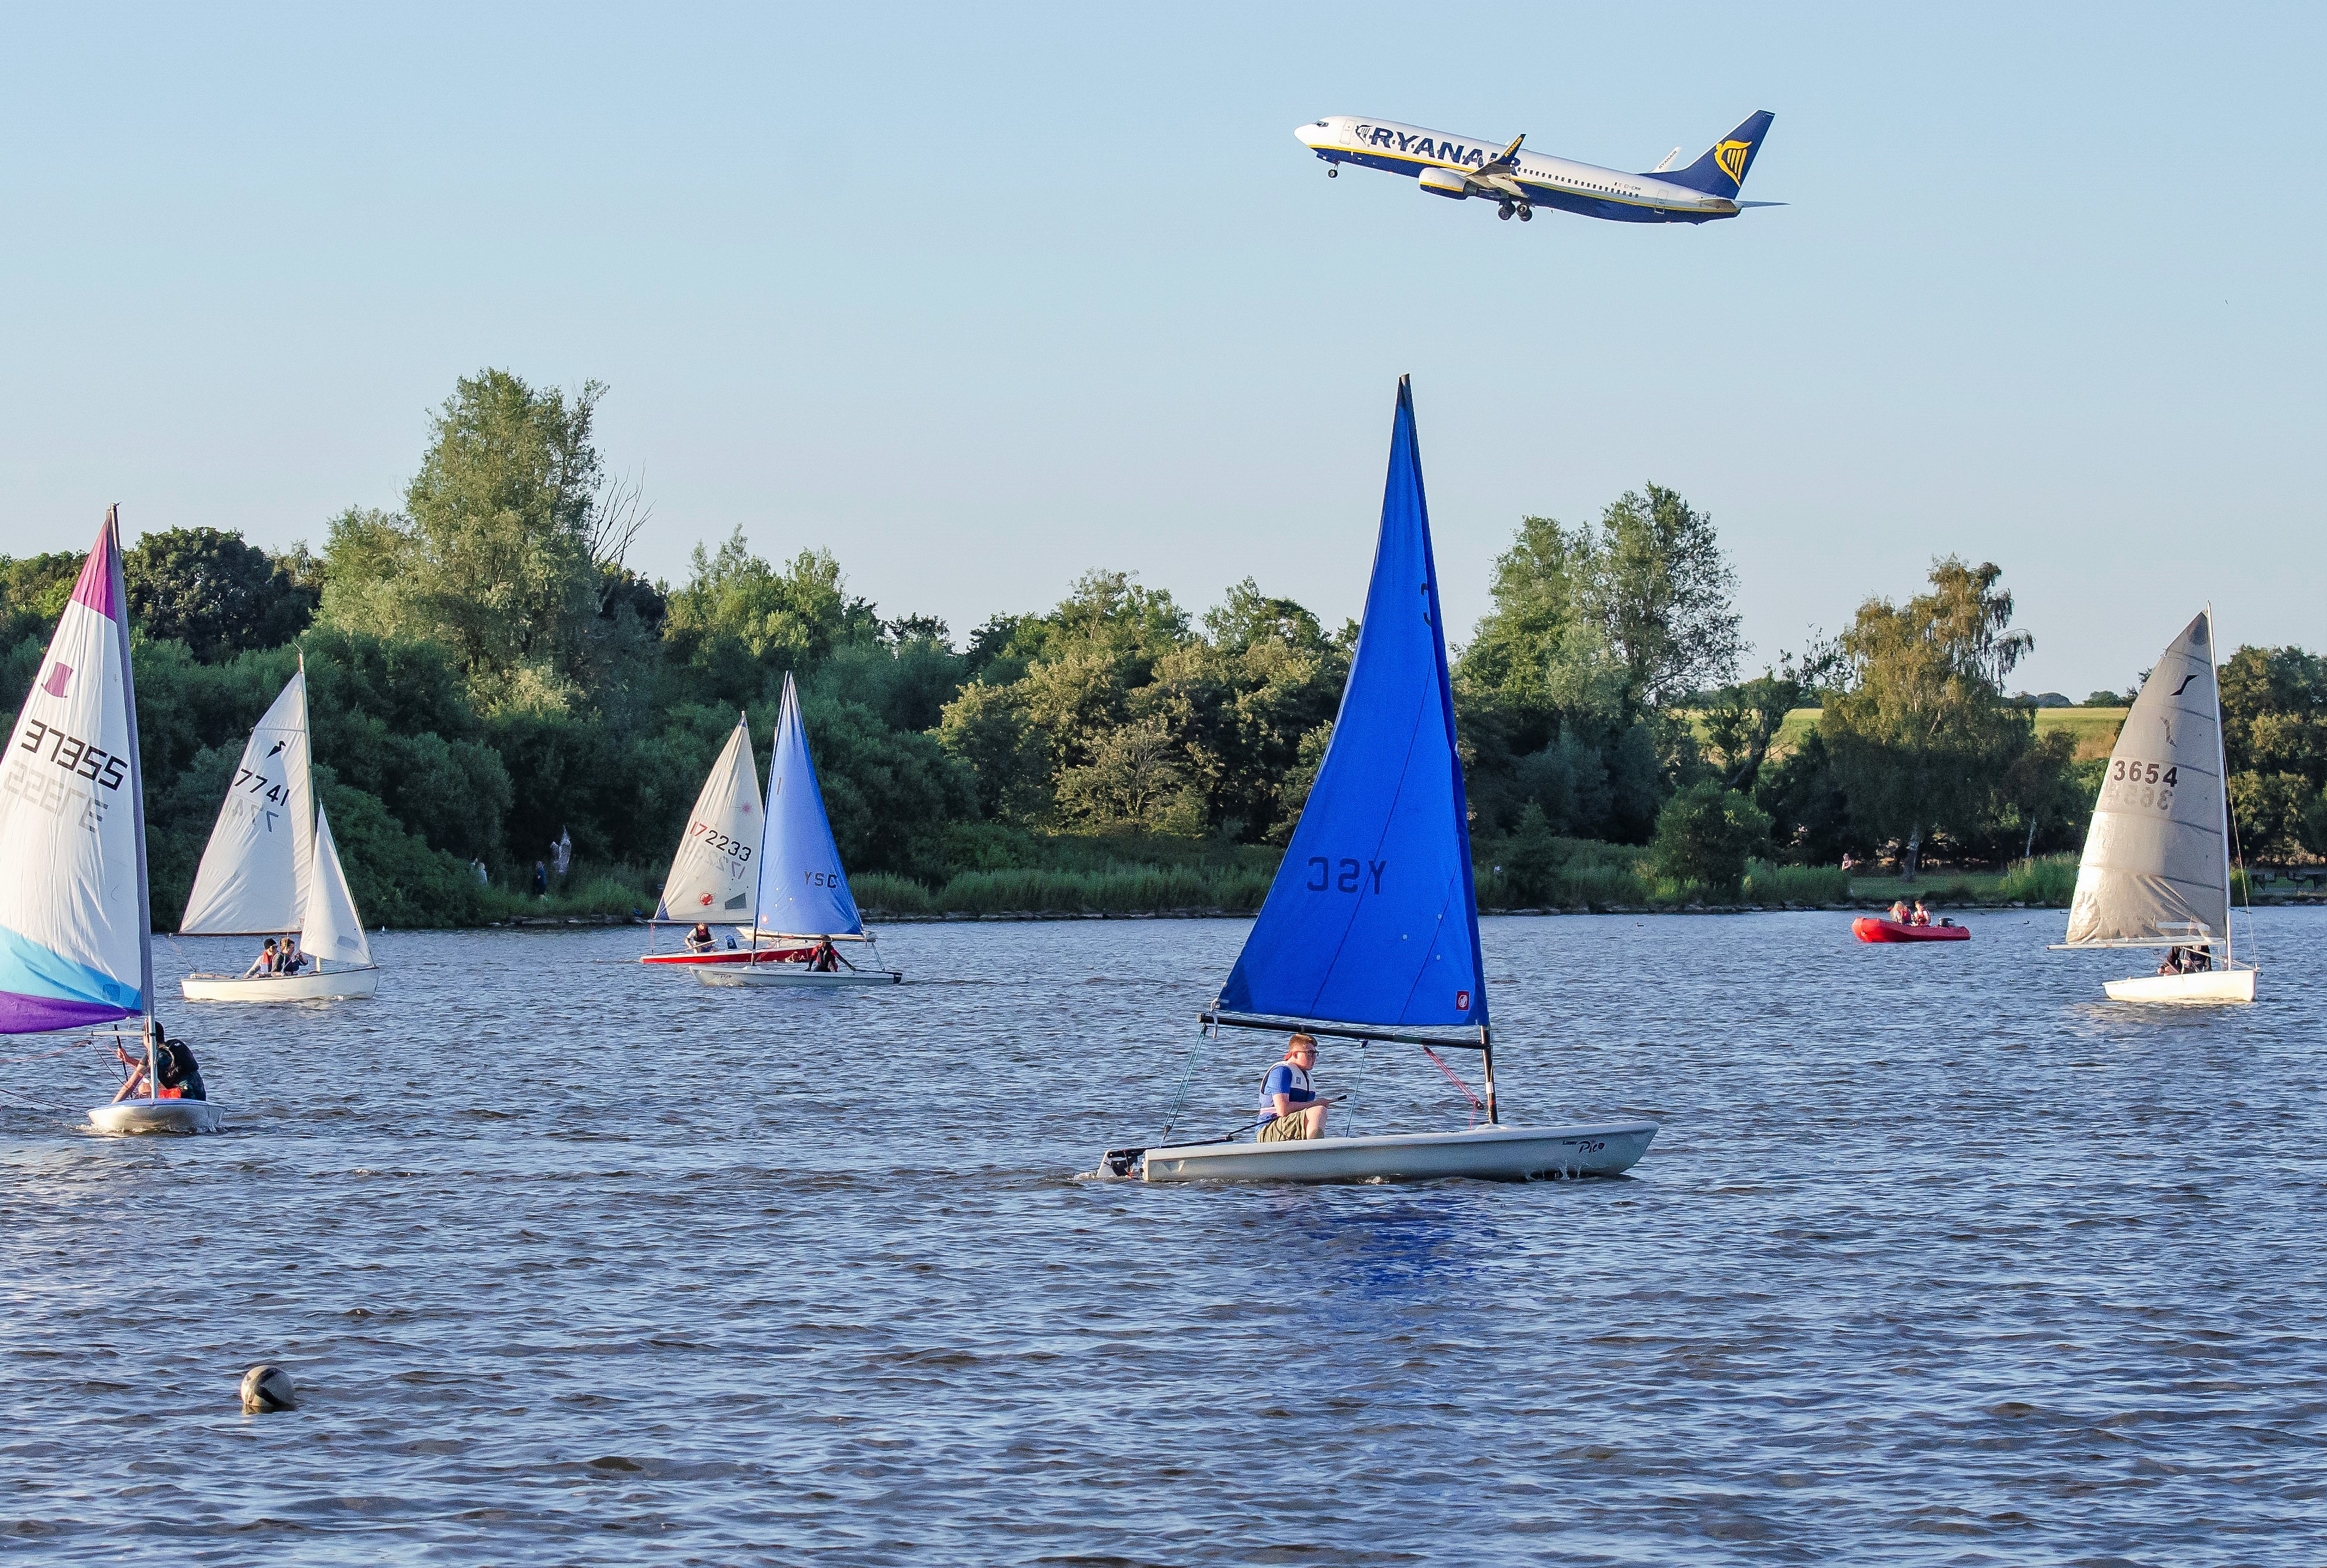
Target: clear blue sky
[[980, 299]]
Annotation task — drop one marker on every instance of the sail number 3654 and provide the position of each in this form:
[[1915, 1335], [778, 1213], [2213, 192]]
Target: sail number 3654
[[2140, 784]]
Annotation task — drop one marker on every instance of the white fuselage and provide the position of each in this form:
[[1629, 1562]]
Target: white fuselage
[[1535, 178]]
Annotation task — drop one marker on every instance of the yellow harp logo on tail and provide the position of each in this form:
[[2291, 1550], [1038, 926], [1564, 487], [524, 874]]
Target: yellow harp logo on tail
[[1732, 156]]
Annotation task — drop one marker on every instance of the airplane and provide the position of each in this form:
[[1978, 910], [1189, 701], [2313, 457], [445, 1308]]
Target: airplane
[[1459, 167]]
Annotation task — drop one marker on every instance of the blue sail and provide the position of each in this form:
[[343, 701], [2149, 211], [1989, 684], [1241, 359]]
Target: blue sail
[[1371, 919], [803, 891]]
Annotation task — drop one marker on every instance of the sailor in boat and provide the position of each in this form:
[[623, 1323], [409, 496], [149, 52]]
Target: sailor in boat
[[264, 964], [289, 960], [700, 940], [1288, 1095], [823, 959], [180, 1075]]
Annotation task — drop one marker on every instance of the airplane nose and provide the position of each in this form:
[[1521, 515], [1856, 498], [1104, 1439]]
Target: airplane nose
[[1309, 136]]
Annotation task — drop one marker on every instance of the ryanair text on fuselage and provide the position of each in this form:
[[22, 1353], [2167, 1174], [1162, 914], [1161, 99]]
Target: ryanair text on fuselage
[[1520, 182]]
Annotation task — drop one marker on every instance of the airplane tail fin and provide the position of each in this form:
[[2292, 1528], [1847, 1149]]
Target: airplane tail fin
[[1722, 169]]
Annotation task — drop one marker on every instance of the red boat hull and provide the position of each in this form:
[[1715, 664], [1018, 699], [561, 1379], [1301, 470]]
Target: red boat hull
[[728, 955], [1867, 928]]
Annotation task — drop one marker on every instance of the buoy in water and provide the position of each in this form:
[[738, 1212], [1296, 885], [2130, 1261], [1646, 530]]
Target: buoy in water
[[265, 1388]]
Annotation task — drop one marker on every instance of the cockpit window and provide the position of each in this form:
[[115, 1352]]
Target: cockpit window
[[1320, 125]]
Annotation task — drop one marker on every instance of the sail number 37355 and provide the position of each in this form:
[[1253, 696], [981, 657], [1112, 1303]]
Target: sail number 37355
[[2140, 784], [75, 756]]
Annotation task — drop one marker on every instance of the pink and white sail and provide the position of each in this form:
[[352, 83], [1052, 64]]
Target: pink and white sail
[[75, 947]]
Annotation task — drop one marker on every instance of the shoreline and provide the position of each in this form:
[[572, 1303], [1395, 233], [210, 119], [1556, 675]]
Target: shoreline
[[883, 917]]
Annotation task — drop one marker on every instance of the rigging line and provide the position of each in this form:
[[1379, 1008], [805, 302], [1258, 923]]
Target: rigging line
[[1477, 1105], [1180, 1094]]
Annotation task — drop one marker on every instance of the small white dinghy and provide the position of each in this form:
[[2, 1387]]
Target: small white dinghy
[[1371, 931], [803, 901], [271, 866], [130, 1118], [1487, 1151], [2156, 867], [713, 876], [76, 946]]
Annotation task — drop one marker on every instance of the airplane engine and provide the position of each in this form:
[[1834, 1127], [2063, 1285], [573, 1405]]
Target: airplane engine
[[1444, 182]]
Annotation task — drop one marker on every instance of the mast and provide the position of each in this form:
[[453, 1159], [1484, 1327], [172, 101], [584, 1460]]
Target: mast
[[136, 800], [136, 781], [2222, 756]]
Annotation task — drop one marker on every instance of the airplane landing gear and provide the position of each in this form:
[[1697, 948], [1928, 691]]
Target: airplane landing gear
[[1332, 172], [1527, 214], [1505, 210]]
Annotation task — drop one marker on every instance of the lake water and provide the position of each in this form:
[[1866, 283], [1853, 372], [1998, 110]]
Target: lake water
[[1939, 1258]]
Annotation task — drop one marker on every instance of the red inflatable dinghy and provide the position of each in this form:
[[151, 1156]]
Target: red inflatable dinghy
[[1867, 928]]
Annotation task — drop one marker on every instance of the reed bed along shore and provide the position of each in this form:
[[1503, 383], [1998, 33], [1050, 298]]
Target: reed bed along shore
[[1589, 877]]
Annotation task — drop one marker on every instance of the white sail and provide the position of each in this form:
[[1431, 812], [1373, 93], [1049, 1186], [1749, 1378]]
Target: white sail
[[2156, 867], [713, 874], [254, 875], [74, 945], [334, 933]]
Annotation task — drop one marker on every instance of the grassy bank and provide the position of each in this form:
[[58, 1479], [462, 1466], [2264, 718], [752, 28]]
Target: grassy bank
[[1114, 875], [2095, 728]]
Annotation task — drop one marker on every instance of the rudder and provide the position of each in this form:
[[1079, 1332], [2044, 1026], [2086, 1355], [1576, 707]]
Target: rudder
[[1722, 171]]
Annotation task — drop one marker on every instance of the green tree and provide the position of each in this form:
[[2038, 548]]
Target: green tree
[[493, 555], [1707, 833], [33, 591], [1918, 724], [2044, 789], [1662, 597], [213, 592], [744, 623], [2275, 743]]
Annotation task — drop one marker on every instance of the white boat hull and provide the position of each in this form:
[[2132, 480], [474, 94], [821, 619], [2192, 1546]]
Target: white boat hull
[[1493, 1152], [331, 985], [798, 976], [181, 1117], [2208, 986]]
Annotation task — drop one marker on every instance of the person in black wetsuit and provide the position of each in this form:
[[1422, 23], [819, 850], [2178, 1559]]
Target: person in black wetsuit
[[173, 1065]]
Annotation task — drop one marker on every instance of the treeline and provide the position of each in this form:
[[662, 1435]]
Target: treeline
[[488, 673]]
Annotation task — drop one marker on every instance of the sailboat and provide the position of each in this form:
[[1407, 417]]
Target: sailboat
[[271, 866], [76, 946], [1371, 931], [714, 877], [2156, 870], [803, 901]]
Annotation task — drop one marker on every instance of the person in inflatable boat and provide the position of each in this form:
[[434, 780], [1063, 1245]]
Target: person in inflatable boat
[[1899, 911], [1289, 1099], [1922, 915]]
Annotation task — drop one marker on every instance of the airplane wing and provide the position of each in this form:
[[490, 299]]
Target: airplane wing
[[1766, 204], [1504, 161]]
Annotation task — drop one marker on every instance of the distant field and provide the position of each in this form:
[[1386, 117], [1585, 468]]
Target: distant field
[[2095, 728]]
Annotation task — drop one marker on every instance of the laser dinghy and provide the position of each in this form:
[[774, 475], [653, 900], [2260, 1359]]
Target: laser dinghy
[[1371, 931]]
